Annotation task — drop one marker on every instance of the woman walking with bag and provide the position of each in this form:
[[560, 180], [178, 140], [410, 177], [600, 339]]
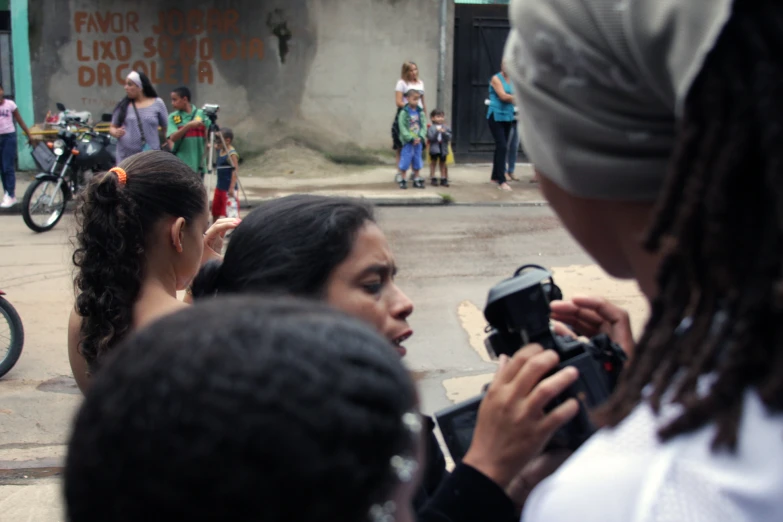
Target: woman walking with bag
[[137, 117]]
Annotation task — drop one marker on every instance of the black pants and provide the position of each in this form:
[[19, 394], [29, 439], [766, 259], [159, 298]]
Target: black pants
[[501, 130]]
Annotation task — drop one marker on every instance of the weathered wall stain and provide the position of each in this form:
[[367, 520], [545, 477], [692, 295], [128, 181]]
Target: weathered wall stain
[[279, 26]]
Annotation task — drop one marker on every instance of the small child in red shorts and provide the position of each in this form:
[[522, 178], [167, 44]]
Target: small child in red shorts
[[227, 173]]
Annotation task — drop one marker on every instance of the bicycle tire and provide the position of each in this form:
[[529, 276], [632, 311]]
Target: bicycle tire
[[8, 313]]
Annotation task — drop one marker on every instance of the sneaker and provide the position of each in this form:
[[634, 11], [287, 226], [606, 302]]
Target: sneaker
[[8, 201], [419, 183], [403, 184], [444, 182], [434, 182]]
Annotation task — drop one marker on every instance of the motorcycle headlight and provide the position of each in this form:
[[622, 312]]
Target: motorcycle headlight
[[58, 147]]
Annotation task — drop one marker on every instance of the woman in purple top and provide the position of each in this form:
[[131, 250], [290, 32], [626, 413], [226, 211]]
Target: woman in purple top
[[137, 117]]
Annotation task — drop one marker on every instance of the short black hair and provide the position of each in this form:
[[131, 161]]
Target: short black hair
[[437, 112], [227, 133], [268, 409], [183, 92], [289, 245]]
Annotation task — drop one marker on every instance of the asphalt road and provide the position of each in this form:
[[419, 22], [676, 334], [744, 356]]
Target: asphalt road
[[449, 257]]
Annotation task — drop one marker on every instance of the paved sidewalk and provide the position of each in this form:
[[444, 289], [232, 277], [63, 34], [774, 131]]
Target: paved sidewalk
[[469, 185]]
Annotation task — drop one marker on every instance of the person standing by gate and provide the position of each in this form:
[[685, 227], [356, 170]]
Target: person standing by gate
[[501, 117], [8, 115], [186, 131]]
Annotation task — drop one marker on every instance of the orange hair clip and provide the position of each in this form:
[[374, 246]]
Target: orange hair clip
[[121, 175]]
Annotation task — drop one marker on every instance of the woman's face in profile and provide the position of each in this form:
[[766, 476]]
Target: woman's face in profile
[[363, 286]]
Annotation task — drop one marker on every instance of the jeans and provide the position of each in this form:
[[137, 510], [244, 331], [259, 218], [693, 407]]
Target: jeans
[[8, 162], [513, 149], [411, 154], [501, 131]]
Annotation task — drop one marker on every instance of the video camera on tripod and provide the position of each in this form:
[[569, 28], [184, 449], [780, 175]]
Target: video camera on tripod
[[518, 314], [210, 111], [214, 135]]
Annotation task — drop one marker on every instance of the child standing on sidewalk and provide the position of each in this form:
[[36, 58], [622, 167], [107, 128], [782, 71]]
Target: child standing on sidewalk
[[227, 172], [438, 138], [413, 132]]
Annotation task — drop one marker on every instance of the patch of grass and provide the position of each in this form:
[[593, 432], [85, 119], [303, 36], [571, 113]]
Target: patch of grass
[[352, 158], [448, 199]]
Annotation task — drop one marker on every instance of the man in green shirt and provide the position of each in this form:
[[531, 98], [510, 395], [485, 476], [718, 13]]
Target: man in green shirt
[[186, 130]]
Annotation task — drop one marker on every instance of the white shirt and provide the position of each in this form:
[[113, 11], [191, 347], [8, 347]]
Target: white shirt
[[627, 475], [403, 87], [7, 117]]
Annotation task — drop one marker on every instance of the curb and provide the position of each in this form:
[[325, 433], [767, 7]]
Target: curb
[[378, 201], [504, 204]]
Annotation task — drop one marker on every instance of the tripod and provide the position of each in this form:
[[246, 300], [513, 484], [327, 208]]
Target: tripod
[[214, 130]]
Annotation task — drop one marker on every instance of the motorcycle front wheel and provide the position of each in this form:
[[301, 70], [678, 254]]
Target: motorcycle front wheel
[[11, 336], [41, 207]]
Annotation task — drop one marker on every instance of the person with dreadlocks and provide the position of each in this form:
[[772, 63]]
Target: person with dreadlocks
[[655, 128]]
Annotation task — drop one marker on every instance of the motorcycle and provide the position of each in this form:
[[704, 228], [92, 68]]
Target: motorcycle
[[11, 342], [66, 164]]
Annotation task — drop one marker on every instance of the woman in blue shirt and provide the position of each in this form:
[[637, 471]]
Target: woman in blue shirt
[[500, 116]]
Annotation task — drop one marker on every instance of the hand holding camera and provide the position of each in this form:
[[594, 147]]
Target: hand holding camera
[[591, 316], [512, 426], [541, 395]]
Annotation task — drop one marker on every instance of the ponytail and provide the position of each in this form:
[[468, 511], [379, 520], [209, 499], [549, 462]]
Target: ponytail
[[109, 259]]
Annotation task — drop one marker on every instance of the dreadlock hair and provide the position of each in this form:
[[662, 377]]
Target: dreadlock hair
[[261, 400], [719, 225]]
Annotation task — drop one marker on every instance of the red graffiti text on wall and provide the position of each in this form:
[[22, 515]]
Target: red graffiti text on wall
[[181, 48]]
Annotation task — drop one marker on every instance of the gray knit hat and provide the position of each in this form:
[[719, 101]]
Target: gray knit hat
[[600, 85]]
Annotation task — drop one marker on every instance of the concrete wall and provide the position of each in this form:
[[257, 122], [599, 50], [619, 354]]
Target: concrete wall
[[323, 70]]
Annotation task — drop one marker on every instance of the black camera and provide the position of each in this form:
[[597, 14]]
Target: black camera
[[518, 314]]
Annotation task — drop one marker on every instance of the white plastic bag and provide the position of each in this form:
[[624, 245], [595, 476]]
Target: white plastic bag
[[232, 209]]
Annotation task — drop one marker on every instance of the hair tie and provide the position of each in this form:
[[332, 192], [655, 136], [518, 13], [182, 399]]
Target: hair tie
[[121, 175]]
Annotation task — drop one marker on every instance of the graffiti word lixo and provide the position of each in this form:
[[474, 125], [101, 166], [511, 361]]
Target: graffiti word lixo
[[169, 60]]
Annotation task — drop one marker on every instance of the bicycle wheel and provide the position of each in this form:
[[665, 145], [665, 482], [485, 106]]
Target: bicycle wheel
[[11, 336]]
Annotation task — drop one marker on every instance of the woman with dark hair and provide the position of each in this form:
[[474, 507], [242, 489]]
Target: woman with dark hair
[[138, 117], [226, 421], [502, 123], [142, 235], [331, 249], [655, 129]]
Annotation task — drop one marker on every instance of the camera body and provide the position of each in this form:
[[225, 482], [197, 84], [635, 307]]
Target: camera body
[[518, 314], [211, 110]]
